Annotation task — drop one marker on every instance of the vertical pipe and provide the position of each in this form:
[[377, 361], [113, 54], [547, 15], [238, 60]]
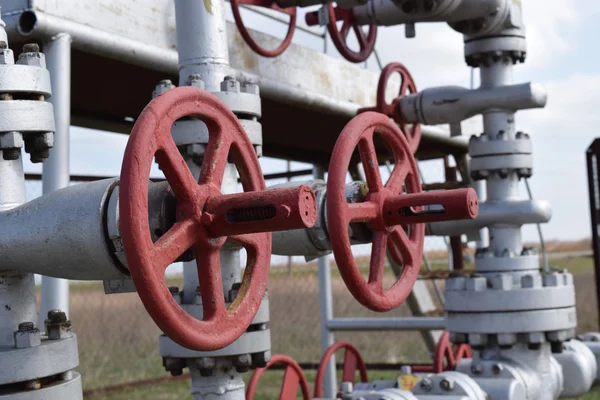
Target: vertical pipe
[[55, 292], [326, 311], [593, 188]]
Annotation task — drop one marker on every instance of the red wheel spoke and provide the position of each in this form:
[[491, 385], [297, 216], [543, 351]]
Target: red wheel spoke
[[291, 380], [215, 161], [404, 245], [378, 256], [211, 284], [350, 365], [174, 243], [176, 171], [250, 241], [397, 177], [360, 36], [362, 212], [368, 157], [345, 28]]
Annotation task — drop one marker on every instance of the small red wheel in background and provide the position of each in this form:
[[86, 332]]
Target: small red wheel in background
[[352, 362], [444, 351], [407, 86], [339, 37], [292, 378], [291, 11]]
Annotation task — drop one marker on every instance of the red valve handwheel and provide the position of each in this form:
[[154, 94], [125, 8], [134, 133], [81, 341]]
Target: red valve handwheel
[[407, 85], [352, 362], [444, 352], [404, 179], [292, 377], [151, 137], [291, 11], [340, 37]]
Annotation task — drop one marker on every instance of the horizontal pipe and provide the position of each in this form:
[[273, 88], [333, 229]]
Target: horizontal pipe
[[510, 213], [387, 324]]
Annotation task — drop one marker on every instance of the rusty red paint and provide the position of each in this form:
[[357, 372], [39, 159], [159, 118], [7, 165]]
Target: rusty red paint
[[407, 85], [353, 362], [292, 378], [151, 137], [404, 178], [457, 204], [264, 211], [291, 11], [340, 37]]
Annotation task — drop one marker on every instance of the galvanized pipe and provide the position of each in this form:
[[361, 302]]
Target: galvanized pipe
[[387, 324], [326, 309], [55, 291]]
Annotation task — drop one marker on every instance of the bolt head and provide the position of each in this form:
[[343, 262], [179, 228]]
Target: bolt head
[[260, 360], [242, 362], [230, 84], [195, 80], [497, 369], [476, 284], [553, 279], [531, 281], [447, 384], [501, 282], [33, 57], [162, 87], [476, 369], [426, 385], [477, 340]]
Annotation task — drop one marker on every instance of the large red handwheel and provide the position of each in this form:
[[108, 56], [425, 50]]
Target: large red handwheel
[[352, 362], [404, 179], [446, 357], [291, 11], [407, 86], [292, 377], [340, 37], [151, 137]]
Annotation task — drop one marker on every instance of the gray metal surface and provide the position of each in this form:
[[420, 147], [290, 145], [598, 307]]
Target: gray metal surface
[[448, 384], [391, 324], [224, 382], [130, 50], [17, 294], [55, 291], [26, 116], [52, 357], [24, 79], [579, 368], [72, 233], [61, 389]]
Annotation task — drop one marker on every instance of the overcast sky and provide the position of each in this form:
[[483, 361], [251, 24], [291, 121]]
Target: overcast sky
[[562, 55]]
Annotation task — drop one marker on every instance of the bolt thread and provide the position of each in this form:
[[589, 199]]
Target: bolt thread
[[31, 48], [26, 326], [11, 154], [249, 214]]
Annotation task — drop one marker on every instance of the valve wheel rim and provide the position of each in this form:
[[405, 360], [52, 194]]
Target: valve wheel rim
[[293, 376], [148, 261], [353, 362], [359, 132], [239, 22], [339, 37], [407, 85]]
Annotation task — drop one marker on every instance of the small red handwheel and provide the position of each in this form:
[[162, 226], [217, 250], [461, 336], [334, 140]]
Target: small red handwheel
[[403, 179], [151, 137], [291, 11], [292, 377], [407, 86], [446, 358], [366, 42], [352, 362]]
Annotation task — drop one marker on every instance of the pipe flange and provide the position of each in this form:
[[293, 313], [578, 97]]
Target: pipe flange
[[51, 357], [488, 261], [479, 146], [498, 293], [501, 164], [26, 116], [66, 386], [25, 81], [485, 51]]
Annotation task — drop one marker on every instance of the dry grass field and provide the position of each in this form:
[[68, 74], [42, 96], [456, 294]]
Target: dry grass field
[[118, 341]]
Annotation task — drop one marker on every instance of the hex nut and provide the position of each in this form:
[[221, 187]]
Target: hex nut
[[162, 87], [456, 283], [206, 365], [230, 84], [478, 339], [476, 284], [260, 360], [250, 88], [11, 140], [536, 337], [195, 80], [7, 57], [27, 338], [31, 56], [346, 387], [242, 362], [476, 369], [506, 339], [447, 384], [458, 338], [426, 385], [497, 369], [501, 282], [552, 279], [174, 365], [531, 281]]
